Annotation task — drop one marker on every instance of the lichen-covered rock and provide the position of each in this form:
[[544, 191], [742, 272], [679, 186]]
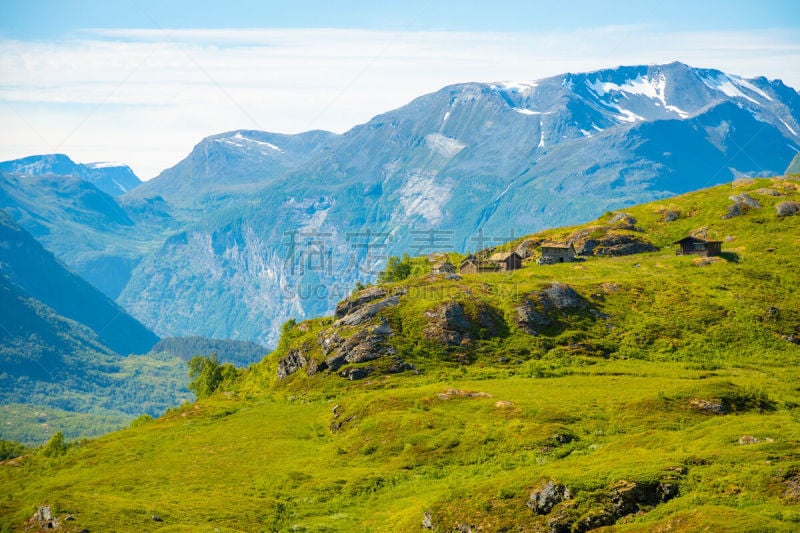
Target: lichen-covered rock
[[622, 221], [562, 297], [360, 347], [526, 248], [291, 363], [745, 199], [449, 324], [529, 319], [366, 311], [671, 216], [715, 407], [616, 245], [768, 192], [786, 209], [352, 373], [735, 210], [357, 300], [542, 500], [792, 491]]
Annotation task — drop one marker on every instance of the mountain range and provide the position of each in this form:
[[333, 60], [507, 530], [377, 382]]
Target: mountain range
[[253, 228]]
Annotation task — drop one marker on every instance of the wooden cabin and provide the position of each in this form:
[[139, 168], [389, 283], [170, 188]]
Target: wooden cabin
[[469, 265], [556, 253], [506, 260], [443, 267], [473, 265], [697, 246]]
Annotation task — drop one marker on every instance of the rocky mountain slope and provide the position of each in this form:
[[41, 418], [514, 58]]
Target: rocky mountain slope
[[260, 227], [641, 390], [63, 348], [113, 179]]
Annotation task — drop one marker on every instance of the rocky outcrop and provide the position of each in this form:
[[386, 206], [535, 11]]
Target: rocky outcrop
[[622, 221], [362, 346], [542, 500], [619, 244], [792, 491], [357, 300], [534, 312], [450, 325], [529, 318], [714, 407], [363, 313], [745, 199], [562, 297], [623, 498], [787, 209], [291, 363]]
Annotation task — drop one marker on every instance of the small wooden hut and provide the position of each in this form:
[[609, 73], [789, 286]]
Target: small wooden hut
[[697, 246]]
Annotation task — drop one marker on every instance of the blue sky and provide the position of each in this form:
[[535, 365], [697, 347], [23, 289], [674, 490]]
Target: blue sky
[[34, 19], [142, 81]]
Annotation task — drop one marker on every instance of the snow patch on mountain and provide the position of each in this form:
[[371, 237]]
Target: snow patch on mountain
[[530, 111], [422, 195], [106, 164], [626, 115], [240, 141], [726, 85], [443, 145], [521, 87], [788, 127], [644, 86], [750, 87]]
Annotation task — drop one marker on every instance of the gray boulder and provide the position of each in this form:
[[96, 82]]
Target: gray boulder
[[562, 297], [365, 312], [357, 300], [291, 363], [786, 209], [529, 319], [543, 500], [745, 199]]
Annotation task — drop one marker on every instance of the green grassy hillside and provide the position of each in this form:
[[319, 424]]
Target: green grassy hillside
[[647, 392]]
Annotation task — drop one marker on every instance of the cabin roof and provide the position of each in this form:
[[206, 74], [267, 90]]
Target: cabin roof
[[691, 238], [558, 245], [502, 256]]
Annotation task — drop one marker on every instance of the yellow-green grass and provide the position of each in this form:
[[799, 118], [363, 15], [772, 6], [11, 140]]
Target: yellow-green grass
[[591, 400]]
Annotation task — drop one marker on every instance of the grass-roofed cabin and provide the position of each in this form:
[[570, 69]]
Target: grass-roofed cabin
[[556, 253], [697, 246], [506, 260], [443, 267]]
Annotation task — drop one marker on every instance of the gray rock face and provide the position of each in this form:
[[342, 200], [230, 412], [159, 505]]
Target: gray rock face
[[543, 500], [529, 319], [735, 210], [356, 301], [622, 221], [450, 325], [786, 209], [562, 297], [360, 347], [291, 363], [618, 245], [365, 312], [355, 373], [671, 216], [745, 199], [715, 407]]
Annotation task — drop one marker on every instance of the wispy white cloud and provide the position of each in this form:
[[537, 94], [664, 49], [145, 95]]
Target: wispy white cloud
[[147, 96]]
